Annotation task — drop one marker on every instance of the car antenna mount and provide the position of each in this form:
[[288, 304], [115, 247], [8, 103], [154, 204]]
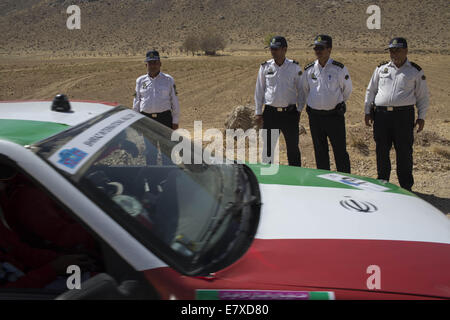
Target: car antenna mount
[[61, 103]]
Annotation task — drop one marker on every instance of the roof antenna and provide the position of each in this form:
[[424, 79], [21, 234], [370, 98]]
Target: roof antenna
[[61, 103]]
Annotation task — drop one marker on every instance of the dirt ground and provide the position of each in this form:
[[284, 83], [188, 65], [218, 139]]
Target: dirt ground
[[209, 88]]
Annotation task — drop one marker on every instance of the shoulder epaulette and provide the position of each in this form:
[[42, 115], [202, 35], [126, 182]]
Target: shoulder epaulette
[[337, 63], [383, 63], [293, 61], [264, 63], [415, 65], [309, 65]]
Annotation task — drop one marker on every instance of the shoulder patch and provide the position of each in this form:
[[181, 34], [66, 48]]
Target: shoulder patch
[[293, 61], [415, 65], [337, 63], [383, 63], [309, 65]]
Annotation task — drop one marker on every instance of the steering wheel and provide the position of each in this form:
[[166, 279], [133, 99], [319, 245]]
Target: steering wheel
[[102, 182]]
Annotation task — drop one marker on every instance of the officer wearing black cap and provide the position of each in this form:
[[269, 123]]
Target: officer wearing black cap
[[395, 87], [156, 95], [278, 90], [326, 86]]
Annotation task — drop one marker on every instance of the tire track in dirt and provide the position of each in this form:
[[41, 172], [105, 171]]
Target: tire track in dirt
[[51, 90]]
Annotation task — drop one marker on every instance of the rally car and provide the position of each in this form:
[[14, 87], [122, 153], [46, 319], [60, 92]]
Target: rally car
[[171, 230]]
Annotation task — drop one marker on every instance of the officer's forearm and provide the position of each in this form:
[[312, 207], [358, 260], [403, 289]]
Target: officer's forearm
[[422, 108], [258, 109], [367, 107], [136, 104]]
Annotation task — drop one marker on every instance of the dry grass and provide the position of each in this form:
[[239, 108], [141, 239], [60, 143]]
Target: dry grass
[[359, 144], [427, 138], [442, 151]]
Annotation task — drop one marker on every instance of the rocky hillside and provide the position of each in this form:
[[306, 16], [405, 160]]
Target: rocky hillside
[[132, 26]]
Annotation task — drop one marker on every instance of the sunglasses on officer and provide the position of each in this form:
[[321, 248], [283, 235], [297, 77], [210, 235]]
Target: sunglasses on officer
[[396, 50], [319, 48]]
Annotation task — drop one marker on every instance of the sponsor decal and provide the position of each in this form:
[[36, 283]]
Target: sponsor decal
[[354, 182], [71, 156], [206, 294], [358, 206]]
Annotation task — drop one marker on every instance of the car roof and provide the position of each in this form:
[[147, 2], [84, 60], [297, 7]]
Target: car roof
[[27, 122]]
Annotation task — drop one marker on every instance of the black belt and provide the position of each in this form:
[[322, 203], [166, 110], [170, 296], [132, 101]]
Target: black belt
[[154, 115], [340, 108], [390, 109], [289, 108]]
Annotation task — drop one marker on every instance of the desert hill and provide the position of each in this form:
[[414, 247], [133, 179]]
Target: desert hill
[[132, 26]]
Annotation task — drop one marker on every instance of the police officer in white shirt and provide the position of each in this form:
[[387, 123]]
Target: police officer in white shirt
[[395, 87], [278, 90], [326, 86], [156, 95]]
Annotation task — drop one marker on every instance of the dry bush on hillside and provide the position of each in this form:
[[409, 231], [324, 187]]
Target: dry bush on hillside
[[242, 117], [211, 42], [191, 44], [442, 151], [359, 144], [426, 138]]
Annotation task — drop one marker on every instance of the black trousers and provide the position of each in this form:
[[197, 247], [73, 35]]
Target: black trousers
[[395, 127], [164, 118], [287, 123], [331, 126]]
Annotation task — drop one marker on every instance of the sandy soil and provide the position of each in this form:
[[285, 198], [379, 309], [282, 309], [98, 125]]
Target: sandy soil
[[210, 87]]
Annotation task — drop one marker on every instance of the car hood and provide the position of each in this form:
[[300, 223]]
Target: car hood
[[347, 268], [330, 235]]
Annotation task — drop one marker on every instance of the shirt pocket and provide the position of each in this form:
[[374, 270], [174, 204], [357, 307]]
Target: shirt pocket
[[313, 80], [164, 91], [406, 82], [385, 79], [270, 80], [143, 91], [332, 81]]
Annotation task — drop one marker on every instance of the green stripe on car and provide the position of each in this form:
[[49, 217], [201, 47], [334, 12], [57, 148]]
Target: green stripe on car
[[25, 132], [299, 176]]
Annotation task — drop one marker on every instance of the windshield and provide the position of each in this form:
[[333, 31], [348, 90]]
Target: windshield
[[191, 215]]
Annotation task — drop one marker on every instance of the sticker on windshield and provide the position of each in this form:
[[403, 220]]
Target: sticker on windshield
[[77, 151], [71, 158], [354, 182], [207, 294]]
